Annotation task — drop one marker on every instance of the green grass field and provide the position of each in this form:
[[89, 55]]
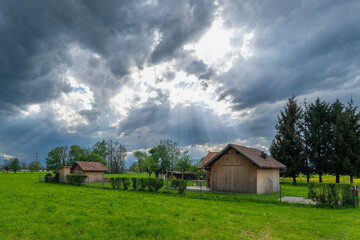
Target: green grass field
[[36, 210]]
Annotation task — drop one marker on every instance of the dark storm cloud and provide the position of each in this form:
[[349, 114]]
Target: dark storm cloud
[[180, 22], [299, 47], [37, 36]]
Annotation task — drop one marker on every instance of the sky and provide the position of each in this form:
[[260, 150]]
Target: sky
[[201, 73]]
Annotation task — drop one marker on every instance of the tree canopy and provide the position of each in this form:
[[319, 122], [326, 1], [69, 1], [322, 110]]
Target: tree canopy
[[15, 165]]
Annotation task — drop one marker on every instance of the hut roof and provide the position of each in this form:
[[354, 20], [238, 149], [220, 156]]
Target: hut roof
[[258, 157], [90, 166], [208, 157]]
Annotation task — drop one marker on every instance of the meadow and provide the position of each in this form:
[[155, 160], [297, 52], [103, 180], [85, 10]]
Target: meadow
[[36, 210]]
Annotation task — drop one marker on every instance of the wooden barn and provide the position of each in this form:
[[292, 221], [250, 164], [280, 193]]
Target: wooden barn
[[241, 169], [94, 170]]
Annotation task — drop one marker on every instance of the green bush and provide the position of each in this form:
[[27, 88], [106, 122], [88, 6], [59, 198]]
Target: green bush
[[46, 176], [75, 179], [331, 194], [143, 183], [125, 182], [155, 184], [180, 184], [135, 183], [115, 182]]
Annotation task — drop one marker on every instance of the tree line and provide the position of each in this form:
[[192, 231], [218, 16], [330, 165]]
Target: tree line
[[166, 156], [318, 138], [110, 153], [15, 165], [163, 157]]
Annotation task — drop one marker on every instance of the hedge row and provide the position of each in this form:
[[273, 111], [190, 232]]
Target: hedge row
[[120, 182], [142, 184], [152, 184], [74, 178], [332, 194]]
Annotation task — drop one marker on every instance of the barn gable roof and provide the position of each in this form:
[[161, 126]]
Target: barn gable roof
[[208, 157], [254, 155], [90, 166]]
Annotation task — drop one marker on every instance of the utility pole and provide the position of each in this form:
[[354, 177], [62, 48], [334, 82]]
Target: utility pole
[[36, 156]]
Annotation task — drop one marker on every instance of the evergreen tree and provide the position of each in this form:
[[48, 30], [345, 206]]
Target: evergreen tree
[[307, 167], [318, 136], [352, 138], [287, 147], [339, 146]]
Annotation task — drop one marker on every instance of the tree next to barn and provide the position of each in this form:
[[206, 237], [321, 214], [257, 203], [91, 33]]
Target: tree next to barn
[[288, 147]]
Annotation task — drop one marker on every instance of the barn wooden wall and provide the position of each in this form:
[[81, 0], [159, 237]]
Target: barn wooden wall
[[94, 176], [267, 180], [234, 169]]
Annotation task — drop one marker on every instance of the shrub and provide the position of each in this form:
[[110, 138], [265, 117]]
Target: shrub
[[331, 194], [115, 182], [135, 183], [126, 183], [46, 177], [155, 184], [143, 183], [180, 184], [75, 179]]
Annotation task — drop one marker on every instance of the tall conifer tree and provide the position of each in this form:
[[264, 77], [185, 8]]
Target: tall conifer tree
[[287, 147], [339, 146], [353, 140], [318, 136]]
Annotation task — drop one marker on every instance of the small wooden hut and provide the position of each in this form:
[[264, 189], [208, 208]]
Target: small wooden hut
[[242, 169], [94, 170]]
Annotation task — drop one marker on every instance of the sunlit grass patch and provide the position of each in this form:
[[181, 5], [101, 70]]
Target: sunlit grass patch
[[34, 210]]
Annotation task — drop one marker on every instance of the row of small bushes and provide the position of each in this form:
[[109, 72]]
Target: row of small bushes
[[75, 178], [142, 184], [180, 184], [120, 182], [51, 178], [332, 194], [152, 184]]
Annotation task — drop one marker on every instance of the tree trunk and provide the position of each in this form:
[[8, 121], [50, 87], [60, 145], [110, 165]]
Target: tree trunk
[[294, 179], [337, 178], [307, 170], [320, 177], [351, 179], [182, 175]]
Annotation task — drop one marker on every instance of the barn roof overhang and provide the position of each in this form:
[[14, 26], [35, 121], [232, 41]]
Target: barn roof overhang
[[274, 163]]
